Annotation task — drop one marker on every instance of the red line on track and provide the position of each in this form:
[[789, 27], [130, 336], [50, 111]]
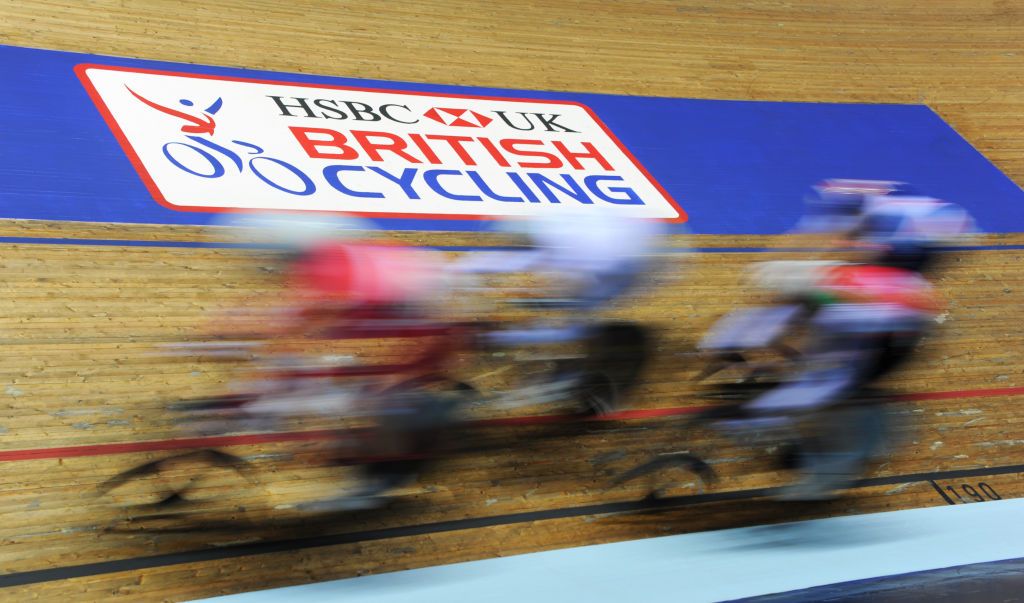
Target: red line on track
[[326, 434], [301, 436]]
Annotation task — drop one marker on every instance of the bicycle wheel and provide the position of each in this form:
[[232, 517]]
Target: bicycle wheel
[[178, 482]]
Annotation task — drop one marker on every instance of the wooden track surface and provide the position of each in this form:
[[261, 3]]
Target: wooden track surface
[[79, 322]]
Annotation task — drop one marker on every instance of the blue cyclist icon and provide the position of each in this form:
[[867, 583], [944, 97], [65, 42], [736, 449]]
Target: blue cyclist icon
[[205, 158]]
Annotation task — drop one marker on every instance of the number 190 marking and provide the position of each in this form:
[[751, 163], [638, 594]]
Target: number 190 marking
[[970, 493]]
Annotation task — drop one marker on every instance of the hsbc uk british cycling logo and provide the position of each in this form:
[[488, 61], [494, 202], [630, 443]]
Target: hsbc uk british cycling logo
[[205, 143]]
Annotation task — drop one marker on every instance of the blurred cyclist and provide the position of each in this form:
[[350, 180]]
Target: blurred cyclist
[[867, 321], [903, 227], [333, 268], [341, 284], [588, 262]]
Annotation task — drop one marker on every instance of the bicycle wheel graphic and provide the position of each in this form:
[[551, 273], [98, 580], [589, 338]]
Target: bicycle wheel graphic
[[307, 186], [193, 161]]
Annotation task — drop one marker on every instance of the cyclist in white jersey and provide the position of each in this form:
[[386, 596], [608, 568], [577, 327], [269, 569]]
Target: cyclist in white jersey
[[587, 260]]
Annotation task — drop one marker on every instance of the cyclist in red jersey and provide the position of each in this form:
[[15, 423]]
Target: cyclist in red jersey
[[341, 284], [365, 280]]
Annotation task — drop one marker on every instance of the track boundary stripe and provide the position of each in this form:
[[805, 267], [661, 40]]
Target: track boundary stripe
[[294, 544], [14, 240]]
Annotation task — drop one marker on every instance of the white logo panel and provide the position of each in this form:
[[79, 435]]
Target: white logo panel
[[206, 143]]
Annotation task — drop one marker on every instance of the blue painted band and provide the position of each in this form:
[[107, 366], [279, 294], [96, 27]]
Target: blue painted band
[[736, 167]]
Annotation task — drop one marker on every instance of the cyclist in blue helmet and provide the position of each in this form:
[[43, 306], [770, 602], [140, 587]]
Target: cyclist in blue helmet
[[902, 226]]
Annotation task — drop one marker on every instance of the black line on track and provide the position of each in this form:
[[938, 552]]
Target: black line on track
[[295, 544], [941, 493], [18, 240]]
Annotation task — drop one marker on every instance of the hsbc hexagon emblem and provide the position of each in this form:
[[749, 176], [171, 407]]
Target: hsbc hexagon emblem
[[458, 117]]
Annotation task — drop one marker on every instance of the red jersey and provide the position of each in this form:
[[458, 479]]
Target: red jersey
[[878, 284], [364, 273]]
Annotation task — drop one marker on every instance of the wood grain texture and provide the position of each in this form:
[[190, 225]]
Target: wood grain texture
[[78, 323], [962, 57]]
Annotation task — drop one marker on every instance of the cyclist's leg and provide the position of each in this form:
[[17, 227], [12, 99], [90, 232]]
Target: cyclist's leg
[[410, 430], [844, 439], [843, 443]]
